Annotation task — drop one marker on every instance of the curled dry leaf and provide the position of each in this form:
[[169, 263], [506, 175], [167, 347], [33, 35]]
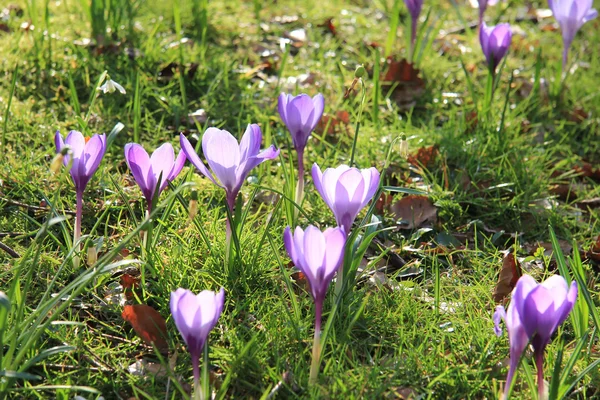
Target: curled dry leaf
[[424, 157], [148, 324], [510, 272], [403, 78], [413, 211]]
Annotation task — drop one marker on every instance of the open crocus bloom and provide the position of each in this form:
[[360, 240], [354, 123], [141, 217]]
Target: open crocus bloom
[[346, 191], [300, 114], [152, 173], [317, 254], [195, 316], [495, 42], [229, 161], [86, 155], [571, 15]]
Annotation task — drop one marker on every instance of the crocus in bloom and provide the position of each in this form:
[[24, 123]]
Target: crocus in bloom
[[229, 161], [318, 255], [153, 173], [540, 308], [495, 41], [571, 15], [195, 316], [346, 191], [85, 157], [300, 114], [414, 8]]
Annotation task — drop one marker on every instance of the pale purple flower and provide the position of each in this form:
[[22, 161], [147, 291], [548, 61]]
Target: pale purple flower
[[317, 254], [153, 173], [414, 9], [229, 161], [86, 155], [571, 15], [495, 42], [195, 316], [346, 191], [300, 114], [538, 310]]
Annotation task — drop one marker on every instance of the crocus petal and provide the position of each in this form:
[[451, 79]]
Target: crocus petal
[[94, 151], [222, 153], [162, 161], [336, 242], [250, 143], [192, 156], [139, 164], [177, 166], [499, 314]]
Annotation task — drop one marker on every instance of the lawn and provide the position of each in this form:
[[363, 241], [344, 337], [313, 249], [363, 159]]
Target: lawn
[[483, 177]]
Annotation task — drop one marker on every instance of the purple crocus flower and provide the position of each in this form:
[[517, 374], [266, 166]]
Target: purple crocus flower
[[195, 316], [346, 191], [571, 15], [153, 173], [229, 161], [85, 157], [541, 308], [517, 338], [414, 8], [300, 114], [482, 4], [495, 41], [318, 255]]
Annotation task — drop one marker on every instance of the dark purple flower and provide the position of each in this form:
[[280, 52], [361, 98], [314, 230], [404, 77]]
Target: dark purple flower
[[195, 316], [86, 155], [537, 310], [300, 114], [148, 170], [571, 15], [414, 9], [346, 191], [229, 161], [495, 42]]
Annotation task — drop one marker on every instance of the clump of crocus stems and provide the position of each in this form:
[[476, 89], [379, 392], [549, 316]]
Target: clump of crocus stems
[[195, 316], [318, 255], [84, 158], [535, 312], [229, 162]]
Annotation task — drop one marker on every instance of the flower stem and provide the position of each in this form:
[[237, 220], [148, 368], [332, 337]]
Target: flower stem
[[198, 392], [300, 184], [360, 111], [77, 231], [316, 352], [228, 231], [539, 363]]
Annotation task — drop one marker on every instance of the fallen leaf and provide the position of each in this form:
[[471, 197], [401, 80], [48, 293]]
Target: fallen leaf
[[148, 324], [329, 26], [333, 124], [510, 272], [403, 78], [424, 157], [413, 211]]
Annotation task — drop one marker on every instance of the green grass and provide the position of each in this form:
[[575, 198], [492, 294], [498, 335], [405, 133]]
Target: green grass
[[484, 180]]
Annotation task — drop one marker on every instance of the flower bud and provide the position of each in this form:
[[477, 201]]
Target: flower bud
[[403, 146], [92, 255], [360, 72]]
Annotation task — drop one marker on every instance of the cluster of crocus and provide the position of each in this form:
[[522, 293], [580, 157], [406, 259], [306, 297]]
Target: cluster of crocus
[[195, 316], [571, 15], [534, 314], [84, 157]]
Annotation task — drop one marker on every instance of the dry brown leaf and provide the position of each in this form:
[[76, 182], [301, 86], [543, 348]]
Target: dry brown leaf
[[404, 78], [413, 211], [148, 324], [425, 156], [510, 272]]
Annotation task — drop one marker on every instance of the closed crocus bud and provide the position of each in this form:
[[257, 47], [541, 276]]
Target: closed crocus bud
[[571, 15], [346, 191], [195, 316], [300, 114], [414, 9], [153, 173], [229, 161], [541, 309], [495, 42]]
